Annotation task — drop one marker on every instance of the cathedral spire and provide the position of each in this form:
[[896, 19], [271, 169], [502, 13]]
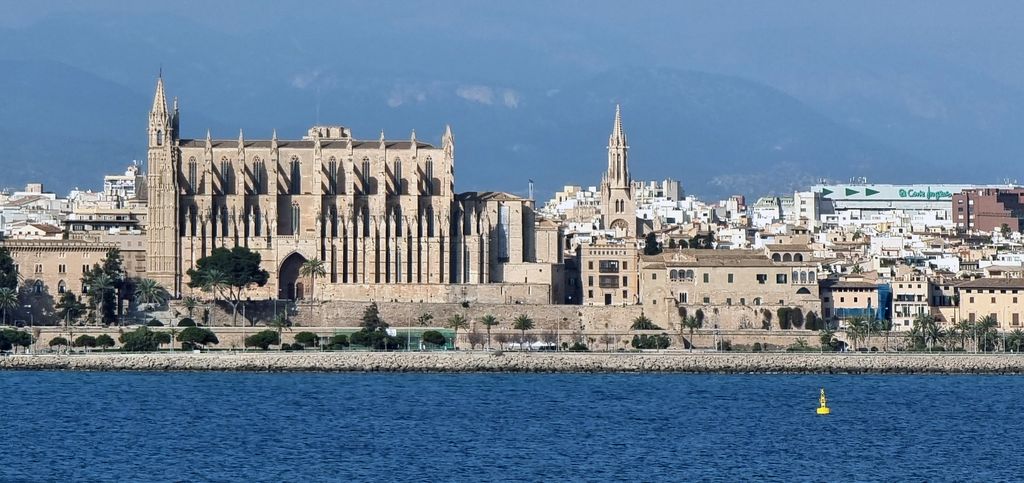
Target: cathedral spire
[[160, 98], [618, 137]]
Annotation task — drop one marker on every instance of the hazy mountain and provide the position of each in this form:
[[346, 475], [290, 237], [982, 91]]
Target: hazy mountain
[[739, 97]]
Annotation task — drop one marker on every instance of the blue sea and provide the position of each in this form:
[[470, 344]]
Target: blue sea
[[96, 426]]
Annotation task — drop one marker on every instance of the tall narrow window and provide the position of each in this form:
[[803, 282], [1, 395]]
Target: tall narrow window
[[225, 176], [332, 176], [295, 218], [397, 173], [364, 173], [257, 175], [296, 176], [159, 138], [257, 221], [224, 221], [192, 175], [429, 173]]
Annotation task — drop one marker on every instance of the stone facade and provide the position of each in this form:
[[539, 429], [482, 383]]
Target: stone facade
[[382, 214], [608, 273], [56, 266], [618, 206], [996, 297]]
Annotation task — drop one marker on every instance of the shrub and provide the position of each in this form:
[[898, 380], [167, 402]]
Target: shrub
[[433, 337], [58, 341], [263, 339], [661, 341], [186, 322], [104, 341], [85, 341], [10, 338], [339, 341], [197, 337], [578, 347], [154, 323], [297, 347], [143, 340], [307, 339], [286, 347]]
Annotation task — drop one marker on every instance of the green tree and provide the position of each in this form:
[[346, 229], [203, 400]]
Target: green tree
[[339, 341], [433, 337], [641, 322], [312, 269], [812, 322], [8, 300], [827, 339], [522, 323], [925, 331], [143, 339], [373, 331], [86, 341], [59, 342], [489, 321], [280, 323], [456, 322], [692, 323], [651, 245], [191, 337], [69, 309], [986, 333], [1014, 340], [307, 339], [190, 303], [186, 322], [148, 291], [100, 290], [263, 339], [644, 341], [229, 273], [10, 338], [8, 274], [104, 341]]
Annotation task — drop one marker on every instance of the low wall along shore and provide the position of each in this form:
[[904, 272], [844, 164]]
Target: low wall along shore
[[464, 361]]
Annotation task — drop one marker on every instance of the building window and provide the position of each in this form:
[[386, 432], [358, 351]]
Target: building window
[[780, 278], [295, 218], [429, 174], [225, 177], [762, 278], [192, 175], [608, 281], [590, 280], [625, 281], [654, 276], [590, 265], [707, 278], [61, 287], [608, 266], [364, 174], [729, 278], [257, 222], [332, 176], [590, 294], [728, 301], [396, 172], [295, 179], [707, 300], [684, 298]]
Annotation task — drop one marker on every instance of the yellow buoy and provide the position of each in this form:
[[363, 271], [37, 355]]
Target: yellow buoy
[[822, 404]]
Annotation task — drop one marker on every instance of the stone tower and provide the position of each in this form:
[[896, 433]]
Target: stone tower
[[618, 210], [162, 184]]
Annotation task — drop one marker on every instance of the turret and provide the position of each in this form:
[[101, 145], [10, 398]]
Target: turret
[[159, 120]]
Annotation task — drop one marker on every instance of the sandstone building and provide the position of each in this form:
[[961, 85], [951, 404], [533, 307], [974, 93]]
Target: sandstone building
[[382, 214]]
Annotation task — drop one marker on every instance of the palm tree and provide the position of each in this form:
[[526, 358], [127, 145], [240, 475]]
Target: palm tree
[[857, 328], [8, 301], [214, 282], [986, 332], [190, 303], [457, 321], [522, 323], [312, 268], [692, 323], [281, 323], [148, 291], [101, 283], [1015, 339], [489, 321]]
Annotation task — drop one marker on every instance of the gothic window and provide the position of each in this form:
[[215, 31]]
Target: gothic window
[[364, 173], [296, 176], [257, 175], [225, 176], [366, 221], [332, 176], [295, 218], [257, 224], [397, 173], [159, 138], [224, 221], [192, 175], [61, 287], [192, 219], [429, 168], [38, 287]]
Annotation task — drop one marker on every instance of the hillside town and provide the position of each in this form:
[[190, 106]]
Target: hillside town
[[383, 221]]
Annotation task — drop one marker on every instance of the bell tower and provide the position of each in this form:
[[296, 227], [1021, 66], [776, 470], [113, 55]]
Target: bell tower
[[618, 210], [162, 190]]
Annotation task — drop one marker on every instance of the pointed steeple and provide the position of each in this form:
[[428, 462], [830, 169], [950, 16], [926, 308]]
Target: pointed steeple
[[209, 141], [448, 142], [618, 137], [273, 143], [382, 143], [160, 98], [241, 145], [413, 138]]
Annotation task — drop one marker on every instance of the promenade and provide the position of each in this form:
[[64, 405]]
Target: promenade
[[513, 362]]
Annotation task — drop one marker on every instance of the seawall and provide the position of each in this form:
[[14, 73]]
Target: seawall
[[802, 363]]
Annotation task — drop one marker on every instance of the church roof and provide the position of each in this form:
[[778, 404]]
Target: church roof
[[487, 196], [303, 144]]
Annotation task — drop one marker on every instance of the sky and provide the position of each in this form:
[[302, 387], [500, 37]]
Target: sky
[[749, 97]]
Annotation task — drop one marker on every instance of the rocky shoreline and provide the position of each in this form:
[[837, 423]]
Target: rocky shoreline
[[513, 362]]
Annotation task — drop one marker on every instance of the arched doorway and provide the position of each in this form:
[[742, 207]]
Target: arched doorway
[[288, 275]]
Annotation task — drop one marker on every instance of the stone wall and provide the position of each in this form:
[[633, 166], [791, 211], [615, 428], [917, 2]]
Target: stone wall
[[529, 362]]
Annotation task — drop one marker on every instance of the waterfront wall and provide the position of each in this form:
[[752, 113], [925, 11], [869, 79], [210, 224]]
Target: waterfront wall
[[530, 362]]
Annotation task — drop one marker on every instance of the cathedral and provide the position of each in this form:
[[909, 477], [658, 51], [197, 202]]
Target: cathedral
[[382, 214]]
